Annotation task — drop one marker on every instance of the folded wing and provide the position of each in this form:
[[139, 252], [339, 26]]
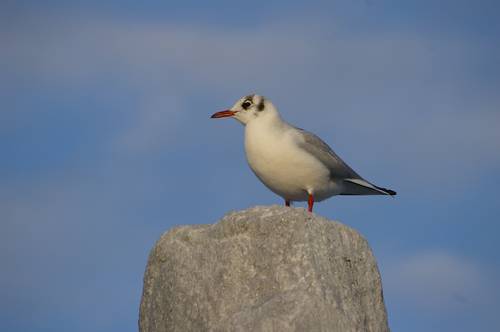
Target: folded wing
[[353, 183]]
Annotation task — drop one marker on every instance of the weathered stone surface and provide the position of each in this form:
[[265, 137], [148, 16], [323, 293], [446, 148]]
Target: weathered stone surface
[[263, 269]]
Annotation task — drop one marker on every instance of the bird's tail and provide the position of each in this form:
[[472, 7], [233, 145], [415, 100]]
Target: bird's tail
[[363, 187]]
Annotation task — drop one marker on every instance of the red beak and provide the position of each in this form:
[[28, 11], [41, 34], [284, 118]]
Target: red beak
[[223, 114]]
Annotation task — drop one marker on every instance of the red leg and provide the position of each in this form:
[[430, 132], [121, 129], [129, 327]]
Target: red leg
[[310, 203], [287, 202]]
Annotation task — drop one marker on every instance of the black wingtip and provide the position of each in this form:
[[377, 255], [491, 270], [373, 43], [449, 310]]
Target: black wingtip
[[391, 192], [388, 191]]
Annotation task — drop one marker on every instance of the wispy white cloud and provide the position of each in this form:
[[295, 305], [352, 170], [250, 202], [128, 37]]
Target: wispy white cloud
[[73, 50], [153, 126], [440, 281]]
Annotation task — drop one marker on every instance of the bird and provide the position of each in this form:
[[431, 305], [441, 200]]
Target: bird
[[292, 162]]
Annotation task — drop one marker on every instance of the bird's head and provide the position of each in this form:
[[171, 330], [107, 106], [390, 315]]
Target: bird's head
[[248, 108]]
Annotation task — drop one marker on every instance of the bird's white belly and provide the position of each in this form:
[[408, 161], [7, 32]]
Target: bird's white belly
[[286, 169]]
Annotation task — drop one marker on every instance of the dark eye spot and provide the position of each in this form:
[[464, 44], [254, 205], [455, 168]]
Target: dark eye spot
[[246, 104], [261, 106]]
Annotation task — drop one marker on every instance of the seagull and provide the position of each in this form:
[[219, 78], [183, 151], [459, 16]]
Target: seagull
[[293, 163]]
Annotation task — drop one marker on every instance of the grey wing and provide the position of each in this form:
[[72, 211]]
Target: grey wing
[[320, 150]]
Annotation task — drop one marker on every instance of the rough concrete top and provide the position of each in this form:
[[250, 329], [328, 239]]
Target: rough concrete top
[[263, 269]]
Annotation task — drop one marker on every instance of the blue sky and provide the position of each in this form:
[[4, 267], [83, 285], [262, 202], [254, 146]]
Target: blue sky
[[106, 142]]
